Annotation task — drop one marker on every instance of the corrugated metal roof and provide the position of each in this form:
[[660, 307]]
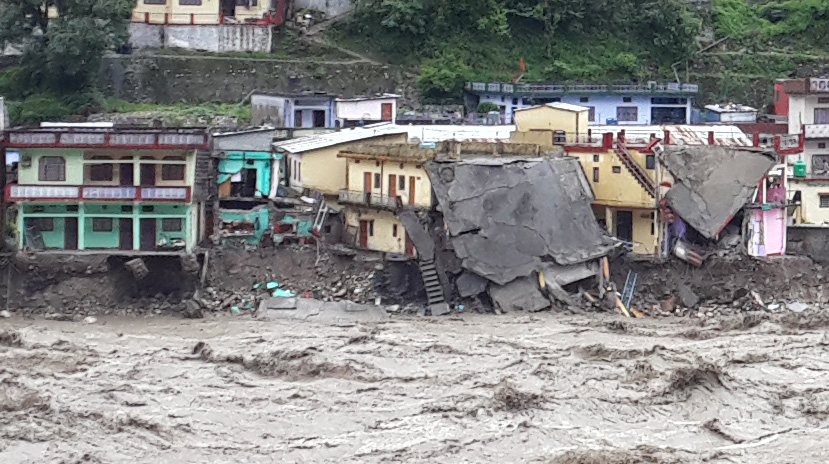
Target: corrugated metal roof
[[560, 106], [725, 135], [440, 133], [303, 144]]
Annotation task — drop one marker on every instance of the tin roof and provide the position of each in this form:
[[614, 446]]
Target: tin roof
[[315, 142]]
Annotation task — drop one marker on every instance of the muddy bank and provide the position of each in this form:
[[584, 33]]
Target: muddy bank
[[540, 388]]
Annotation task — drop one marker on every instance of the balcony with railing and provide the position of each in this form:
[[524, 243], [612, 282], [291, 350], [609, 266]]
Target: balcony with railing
[[374, 200], [671, 88], [817, 131], [16, 192]]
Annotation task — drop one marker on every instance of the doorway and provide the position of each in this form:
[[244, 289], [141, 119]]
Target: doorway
[[386, 112], [228, 8], [148, 234], [126, 175], [319, 118], [70, 234], [412, 190], [125, 234], [364, 229], [410, 248], [392, 186], [147, 175], [624, 226]]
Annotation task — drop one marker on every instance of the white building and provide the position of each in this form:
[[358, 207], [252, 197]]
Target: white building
[[366, 110], [730, 113]]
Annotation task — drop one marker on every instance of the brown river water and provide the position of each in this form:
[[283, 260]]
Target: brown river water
[[541, 388]]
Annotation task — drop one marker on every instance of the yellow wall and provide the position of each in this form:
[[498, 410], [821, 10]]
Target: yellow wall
[[423, 187], [616, 189], [810, 211], [645, 231], [547, 118], [324, 171], [384, 222], [537, 137], [206, 13]]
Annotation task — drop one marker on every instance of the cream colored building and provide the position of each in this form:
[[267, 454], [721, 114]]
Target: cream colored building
[[312, 162], [572, 119], [381, 179], [206, 12]]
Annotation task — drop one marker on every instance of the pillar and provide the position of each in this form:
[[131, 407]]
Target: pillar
[[136, 227], [81, 225]]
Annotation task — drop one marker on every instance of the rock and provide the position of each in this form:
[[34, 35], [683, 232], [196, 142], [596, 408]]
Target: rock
[[797, 307], [687, 296], [669, 304], [5, 314], [440, 309], [90, 320]]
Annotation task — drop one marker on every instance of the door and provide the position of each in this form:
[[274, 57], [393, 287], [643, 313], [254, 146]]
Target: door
[[297, 118], [126, 175], [319, 118], [624, 226], [148, 234], [147, 175], [125, 234], [364, 234], [367, 187], [386, 112], [410, 248], [392, 186], [70, 234], [411, 190], [228, 8]]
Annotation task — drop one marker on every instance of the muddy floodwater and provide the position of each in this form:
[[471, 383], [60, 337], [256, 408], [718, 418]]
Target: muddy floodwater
[[470, 389]]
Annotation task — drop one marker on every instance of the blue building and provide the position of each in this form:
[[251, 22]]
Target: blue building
[[623, 104]]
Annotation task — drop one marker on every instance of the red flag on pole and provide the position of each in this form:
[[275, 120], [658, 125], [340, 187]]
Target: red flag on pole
[[523, 65]]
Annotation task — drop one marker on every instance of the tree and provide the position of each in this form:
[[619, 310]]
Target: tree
[[63, 40]]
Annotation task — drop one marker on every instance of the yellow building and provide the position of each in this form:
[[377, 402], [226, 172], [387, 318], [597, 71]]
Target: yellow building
[[205, 12], [312, 162], [572, 119], [381, 179]]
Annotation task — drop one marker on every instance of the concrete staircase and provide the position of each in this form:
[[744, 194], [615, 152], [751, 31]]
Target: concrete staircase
[[431, 282]]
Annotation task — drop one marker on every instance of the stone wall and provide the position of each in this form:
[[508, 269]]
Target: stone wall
[[170, 79], [808, 241], [218, 38]]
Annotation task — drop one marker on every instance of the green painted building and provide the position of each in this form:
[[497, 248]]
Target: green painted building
[[107, 189]]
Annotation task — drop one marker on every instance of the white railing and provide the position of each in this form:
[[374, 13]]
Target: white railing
[[650, 88], [817, 131], [165, 193]]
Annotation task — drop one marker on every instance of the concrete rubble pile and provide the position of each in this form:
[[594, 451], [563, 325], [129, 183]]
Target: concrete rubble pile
[[522, 228]]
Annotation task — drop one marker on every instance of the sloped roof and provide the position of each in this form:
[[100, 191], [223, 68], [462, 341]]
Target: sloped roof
[[507, 216], [315, 142]]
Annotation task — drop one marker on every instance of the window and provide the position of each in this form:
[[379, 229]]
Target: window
[[126, 208], [172, 171], [595, 174], [514, 101], [394, 230], [155, 2], [596, 158], [147, 208], [650, 162], [371, 228], [171, 225], [189, 2], [52, 169], [297, 118], [668, 101], [821, 145], [824, 200], [617, 169], [821, 115], [377, 181], [823, 100], [627, 113], [41, 224], [591, 113], [401, 183], [101, 224], [584, 99], [627, 99]]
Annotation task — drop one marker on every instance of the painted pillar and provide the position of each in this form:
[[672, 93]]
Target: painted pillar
[[608, 218], [81, 225], [188, 236], [136, 172], [21, 229], [136, 227]]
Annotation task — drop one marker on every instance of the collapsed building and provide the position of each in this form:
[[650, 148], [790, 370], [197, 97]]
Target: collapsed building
[[719, 192]]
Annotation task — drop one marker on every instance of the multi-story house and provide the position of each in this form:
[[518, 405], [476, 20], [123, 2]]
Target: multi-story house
[[623, 104], [212, 25], [807, 103], [380, 181], [104, 189], [366, 110], [302, 110]]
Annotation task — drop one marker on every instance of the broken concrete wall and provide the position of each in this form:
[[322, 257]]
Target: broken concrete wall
[[713, 183], [808, 241]]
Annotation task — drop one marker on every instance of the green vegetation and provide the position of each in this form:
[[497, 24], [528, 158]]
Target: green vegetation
[[599, 40]]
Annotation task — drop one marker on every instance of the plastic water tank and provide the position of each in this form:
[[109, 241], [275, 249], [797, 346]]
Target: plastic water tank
[[800, 168]]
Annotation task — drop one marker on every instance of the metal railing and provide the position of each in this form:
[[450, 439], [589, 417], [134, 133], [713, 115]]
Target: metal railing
[[548, 89], [370, 199], [16, 192]]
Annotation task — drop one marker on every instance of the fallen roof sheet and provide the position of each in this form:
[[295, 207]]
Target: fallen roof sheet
[[713, 183], [506, 216]]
